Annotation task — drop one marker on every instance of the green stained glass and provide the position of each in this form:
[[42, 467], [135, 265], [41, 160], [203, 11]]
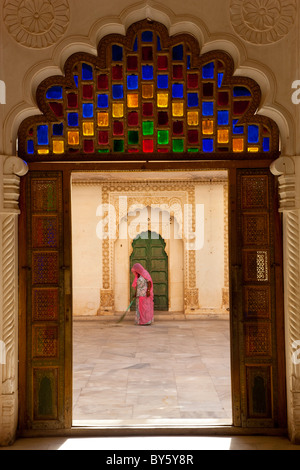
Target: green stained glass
[[163, 137], [148, 128], [193, 150], [178, 145], [118, 145], [133, 137], [103, 150]]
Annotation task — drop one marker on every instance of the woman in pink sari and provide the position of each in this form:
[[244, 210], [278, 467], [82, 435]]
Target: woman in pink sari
[[144, 295]]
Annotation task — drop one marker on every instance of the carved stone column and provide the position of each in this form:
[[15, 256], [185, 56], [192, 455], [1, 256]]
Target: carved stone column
[[284, 167], [13, 168]]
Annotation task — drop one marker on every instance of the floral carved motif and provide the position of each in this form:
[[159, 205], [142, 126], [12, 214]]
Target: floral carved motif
[[36, 23], [262, 21]]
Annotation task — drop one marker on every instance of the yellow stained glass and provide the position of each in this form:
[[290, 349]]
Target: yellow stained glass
[[102, 119], [43, 151], [73, 138], [58, 146], [238, 145], [193, 118], [162, 100], [208, 127], [118, 110], [177, 109], [132, 100], [223, 136], [147, 91], [88, 128], [253, 149]]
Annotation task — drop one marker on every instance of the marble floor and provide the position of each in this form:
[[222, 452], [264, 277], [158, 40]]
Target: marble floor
[[171, 370]]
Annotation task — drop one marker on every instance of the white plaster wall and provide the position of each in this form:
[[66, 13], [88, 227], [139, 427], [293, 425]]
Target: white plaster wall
[[210, 258], [86, 246]]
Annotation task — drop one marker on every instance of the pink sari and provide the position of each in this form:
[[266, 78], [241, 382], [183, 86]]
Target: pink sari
[[144, 305]]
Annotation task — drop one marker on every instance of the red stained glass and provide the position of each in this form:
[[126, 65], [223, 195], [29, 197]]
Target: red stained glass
[[223, 98], [193, 137], [102, 82], [118, 128], [57, 108], [239, 107], [162, 118], [163, 150], [88, 92], [88, 146], [178, 72], [162, 62], [192, 80], [147, 109], [147, 53], [131, 150], [208, 90], [133, 119], [103, 137], [148, 146], [117, 72], [30, 132], [178, 127], [132, 62], [72, 100]]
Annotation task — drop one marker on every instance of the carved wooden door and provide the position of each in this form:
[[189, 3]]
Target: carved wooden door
[[257, 291], [48, 298]]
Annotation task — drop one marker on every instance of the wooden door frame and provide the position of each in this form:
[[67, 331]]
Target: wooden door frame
[[68, 168]]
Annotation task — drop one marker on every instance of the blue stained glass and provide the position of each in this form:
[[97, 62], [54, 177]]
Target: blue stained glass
[[188, 62], [208, 145], [117, 92], [73, 119], [76, 80], [177, 90], [147, 36], [241, 91], [147, 72], [30, 147], [207, 108], [162, 81], [237, 129], [220, 79], [42, 135], [192, 100], [266, 144], [223, 118], [177, 52], [132, 82], [158, 44], [54, 93], [58, 129], [87, 72], [135, 45], [87, 110], [208, 70], [253, 134], [117, 53], [102, 101]]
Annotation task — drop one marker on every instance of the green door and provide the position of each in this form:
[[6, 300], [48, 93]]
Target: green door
[[149, 251]]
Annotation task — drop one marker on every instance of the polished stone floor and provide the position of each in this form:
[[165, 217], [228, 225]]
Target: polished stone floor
[[171, 370]]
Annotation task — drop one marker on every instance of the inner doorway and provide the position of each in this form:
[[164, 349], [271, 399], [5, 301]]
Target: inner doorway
[[180, 367]]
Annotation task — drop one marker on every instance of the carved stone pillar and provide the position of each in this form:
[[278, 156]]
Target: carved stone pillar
[[284, 167], [13, 168]]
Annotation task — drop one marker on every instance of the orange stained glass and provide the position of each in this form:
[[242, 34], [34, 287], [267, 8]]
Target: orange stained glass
[[223, 136], [73, 138], [208, 127], [238, 145], [118, 110], [88, 128], [162, 100], [132, 100], [102, 119], [43, 151], [147, 91], [193, 118], [58, 146], [177, 109], [253, 149]]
